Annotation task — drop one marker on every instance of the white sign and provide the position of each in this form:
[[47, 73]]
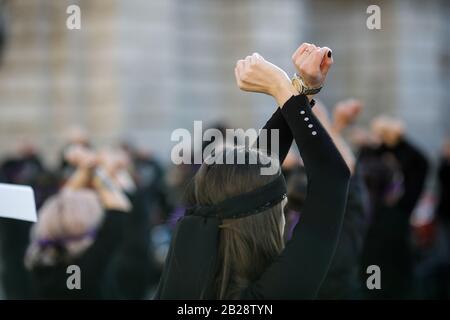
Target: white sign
[[17, 202]]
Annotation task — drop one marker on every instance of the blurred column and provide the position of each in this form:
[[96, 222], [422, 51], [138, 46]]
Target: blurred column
[[148, 58], [402, 69], [365, 60], [424, 71]]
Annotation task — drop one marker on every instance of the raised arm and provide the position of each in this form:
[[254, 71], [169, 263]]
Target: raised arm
[[277, 122], [300, 269], [252, 75], [94, 171], [302, 266]]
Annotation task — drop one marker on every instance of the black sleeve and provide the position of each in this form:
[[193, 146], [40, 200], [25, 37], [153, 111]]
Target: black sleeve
[[300, 269], [277, 122], [342, 280]]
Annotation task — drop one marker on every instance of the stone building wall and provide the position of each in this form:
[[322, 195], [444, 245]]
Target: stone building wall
[[138, 69]]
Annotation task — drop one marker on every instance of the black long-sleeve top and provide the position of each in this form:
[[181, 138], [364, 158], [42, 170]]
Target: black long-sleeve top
[[300, 269], [414, 166]]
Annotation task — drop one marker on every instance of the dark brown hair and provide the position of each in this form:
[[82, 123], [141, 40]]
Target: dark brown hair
[[247, 246]]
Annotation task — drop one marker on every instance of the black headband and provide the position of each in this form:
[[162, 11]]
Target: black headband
[[191, 263], [246, 204]]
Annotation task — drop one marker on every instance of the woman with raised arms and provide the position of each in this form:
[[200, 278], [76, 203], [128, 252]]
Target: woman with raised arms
[[229, 245]]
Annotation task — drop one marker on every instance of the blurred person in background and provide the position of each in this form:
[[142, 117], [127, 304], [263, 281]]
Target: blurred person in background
[[75, 136], [151, 243], [25, 168], [135, 268], [149, 175], [73, 230], [179, 176], [342, 280], [394, 172]]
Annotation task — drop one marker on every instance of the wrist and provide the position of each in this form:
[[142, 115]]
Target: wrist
[[306, 82], [283, 91], [303, 87]]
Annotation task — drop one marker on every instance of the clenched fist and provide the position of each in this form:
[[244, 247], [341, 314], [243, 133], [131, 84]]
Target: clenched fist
[[312, 64], [255, 74], [345, 112], [81, 157]]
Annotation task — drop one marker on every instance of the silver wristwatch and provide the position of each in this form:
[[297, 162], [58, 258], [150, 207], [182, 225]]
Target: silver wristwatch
[[300, 86]]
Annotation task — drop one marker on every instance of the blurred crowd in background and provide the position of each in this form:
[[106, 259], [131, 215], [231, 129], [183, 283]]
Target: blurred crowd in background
[[111, 211]]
